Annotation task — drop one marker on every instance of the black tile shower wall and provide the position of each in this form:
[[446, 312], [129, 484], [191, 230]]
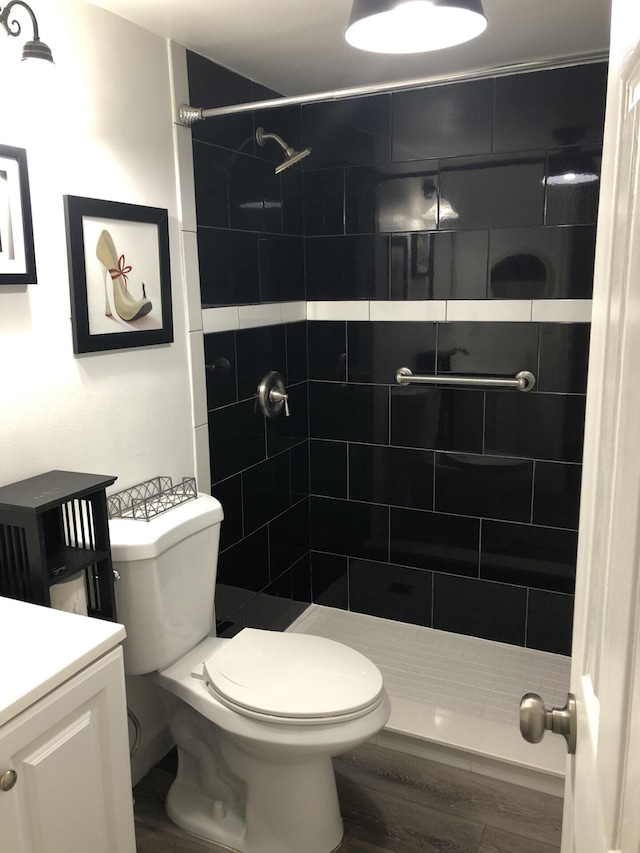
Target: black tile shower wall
[[259, 472], [450, 507], [483, 189], [250, 220]]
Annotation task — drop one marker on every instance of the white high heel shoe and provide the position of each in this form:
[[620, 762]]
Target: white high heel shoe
[[127, 308]]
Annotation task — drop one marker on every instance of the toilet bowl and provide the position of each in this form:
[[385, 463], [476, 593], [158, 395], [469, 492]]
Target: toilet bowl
[[256, 718]]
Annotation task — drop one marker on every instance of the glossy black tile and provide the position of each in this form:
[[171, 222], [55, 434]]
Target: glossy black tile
[[265, 491], [572, 187], [391, 592], [328, 468], [391, 475], [349, 528], [271, 609], [259, 351], [536, 425], [375, 350], [284, 432], [289, 538], [236, 439], [442, 121], [547, 109], [255, 203], [220, 369], [484, 486], [329, 580], [229, 272], [292, 189], [542, 263], [349, 132], [392, 197], [323, 202], [556, 494], [299, 466], [437, 418], [431, 540], [492, 192], [327, 341], [349, 412], [281, 268], [439, 265], [296, 340], [500, 349], [210, 181], [234, 622], [229, 493], [550, 622], [211, 85], [244, 566], [470, 606], [347, 267], [526, 555], [564, 357], [301, 584]]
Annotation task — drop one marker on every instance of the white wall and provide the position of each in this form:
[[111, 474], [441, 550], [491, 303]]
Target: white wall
[[97, 124]]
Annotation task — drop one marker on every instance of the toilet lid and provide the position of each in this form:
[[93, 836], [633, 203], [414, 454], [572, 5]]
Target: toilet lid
[[292, 675]]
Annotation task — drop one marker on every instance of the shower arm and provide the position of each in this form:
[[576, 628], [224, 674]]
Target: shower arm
[[188, 115], [262, 136]]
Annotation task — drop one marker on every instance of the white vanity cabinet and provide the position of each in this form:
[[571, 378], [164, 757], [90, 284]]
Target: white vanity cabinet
[[65, 783]]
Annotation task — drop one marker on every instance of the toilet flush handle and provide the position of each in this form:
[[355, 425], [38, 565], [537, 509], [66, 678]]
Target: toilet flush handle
[[272, 395]]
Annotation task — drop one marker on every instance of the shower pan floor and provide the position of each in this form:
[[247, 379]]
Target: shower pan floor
[[455, 698]]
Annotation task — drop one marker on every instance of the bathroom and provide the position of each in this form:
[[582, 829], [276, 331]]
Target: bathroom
[[117, 141]]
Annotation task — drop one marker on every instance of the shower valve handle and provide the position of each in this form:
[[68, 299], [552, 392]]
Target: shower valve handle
[[272, 395], [277, 396]]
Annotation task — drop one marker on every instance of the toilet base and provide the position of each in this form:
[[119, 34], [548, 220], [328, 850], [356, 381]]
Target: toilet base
[[289, 808], [241, 795]]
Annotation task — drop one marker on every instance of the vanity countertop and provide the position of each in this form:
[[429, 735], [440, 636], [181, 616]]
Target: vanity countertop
[[40, 648]]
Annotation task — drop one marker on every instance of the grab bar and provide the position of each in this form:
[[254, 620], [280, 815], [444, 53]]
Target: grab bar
[[523, 381]]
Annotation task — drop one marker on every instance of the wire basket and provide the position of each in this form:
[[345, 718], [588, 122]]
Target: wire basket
[[148, 499]]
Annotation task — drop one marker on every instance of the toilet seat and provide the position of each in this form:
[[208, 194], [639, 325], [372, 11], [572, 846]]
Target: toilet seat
[[292, 678]]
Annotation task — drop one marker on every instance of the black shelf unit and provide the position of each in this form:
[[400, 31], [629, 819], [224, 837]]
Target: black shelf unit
[[51, 527]]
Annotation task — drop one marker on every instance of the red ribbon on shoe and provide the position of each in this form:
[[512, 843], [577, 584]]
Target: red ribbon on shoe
[[121, 270]]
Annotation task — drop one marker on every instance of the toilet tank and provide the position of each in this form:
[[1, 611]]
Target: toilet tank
[[165, 594]]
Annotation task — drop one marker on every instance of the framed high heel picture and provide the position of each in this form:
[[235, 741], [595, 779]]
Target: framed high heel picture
[[119, 274], [17, 256]]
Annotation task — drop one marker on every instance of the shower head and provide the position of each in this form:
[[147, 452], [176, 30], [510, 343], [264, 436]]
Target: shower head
[[292, 156]]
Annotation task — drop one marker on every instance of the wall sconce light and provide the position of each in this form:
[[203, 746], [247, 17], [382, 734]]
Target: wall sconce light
[[34, 49], [413, 26]]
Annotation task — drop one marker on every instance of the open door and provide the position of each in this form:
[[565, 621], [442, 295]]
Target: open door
[[603, 777]]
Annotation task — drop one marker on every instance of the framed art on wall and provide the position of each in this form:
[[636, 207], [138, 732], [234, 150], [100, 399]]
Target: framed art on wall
[[119, 274], [17, 256]]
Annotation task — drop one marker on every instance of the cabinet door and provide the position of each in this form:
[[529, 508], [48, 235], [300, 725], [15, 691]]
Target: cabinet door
[[70, 753]]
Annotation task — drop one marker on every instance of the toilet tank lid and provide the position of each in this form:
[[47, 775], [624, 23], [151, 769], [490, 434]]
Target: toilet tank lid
[[135, 539]]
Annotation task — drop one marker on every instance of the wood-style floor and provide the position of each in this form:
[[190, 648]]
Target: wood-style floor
[[394, 802]]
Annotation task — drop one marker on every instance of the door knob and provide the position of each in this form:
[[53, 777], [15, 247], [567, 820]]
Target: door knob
[[8, 779], [535, 720]]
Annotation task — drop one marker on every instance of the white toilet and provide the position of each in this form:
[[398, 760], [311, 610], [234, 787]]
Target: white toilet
[[256, 718]]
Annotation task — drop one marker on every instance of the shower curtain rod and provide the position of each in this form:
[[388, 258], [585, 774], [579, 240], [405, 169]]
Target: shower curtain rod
[[188, 115]]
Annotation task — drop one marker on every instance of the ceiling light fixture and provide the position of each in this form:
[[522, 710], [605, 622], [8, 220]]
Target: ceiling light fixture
[[34, 49], [413, 26]]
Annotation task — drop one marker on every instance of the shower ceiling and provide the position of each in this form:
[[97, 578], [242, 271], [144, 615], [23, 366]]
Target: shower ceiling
[[299, 47]]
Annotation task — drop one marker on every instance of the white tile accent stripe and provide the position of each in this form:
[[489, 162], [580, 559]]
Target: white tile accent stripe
[[489, 310], [450, 311]]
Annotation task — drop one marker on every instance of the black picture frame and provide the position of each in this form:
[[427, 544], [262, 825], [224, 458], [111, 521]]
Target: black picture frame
[[17, 254], [112, 247]]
